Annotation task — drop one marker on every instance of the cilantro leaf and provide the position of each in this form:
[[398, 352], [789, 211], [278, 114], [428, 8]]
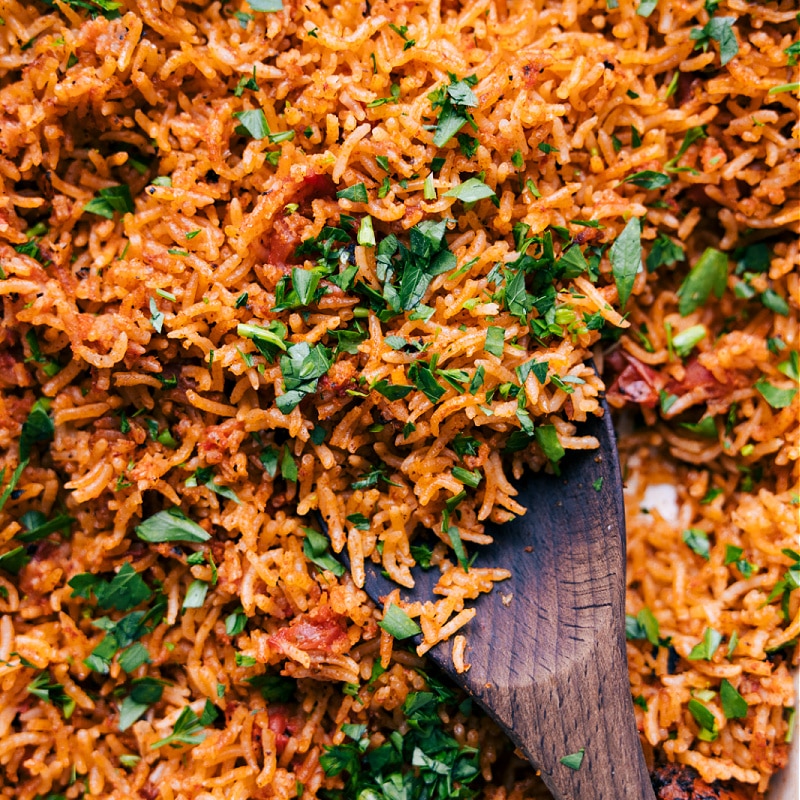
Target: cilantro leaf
[[235, 622], [37, 526], [454, 101], [252, 123], [420, 373], [53, 693], [267, 340], [195, 595], [14, 560], [705, 719], [547, 439], [391, 391], [124, 591], [664, 252], [706, 649]]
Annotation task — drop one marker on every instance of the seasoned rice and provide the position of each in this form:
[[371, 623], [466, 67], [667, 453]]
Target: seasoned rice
[[348, 265]]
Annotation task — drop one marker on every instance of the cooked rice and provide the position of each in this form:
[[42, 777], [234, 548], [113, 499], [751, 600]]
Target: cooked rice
[[128, 325]]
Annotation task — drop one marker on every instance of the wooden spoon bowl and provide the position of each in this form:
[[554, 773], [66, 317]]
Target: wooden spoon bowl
[[547, 646]]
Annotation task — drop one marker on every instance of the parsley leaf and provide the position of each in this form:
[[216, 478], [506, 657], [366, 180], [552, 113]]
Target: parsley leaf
[[574, 760], [626, 259], [720, 29], [171, 525], [189, 727], [397, 622], [53, 693], [710, 273], [697, 541], [733, 704], [706, 649], [356, 193], [470, 191], [302, 368], [316, 550], [664, 252], [774, 395], [648, 179], [111, 199], [144, 692]]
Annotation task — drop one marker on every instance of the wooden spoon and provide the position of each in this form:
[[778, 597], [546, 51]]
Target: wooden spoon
[[547, 646]]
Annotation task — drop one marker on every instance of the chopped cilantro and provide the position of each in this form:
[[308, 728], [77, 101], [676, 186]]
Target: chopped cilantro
[[53, 693], [422, 377], [394, 93], [697, 540], [664, 252], [495, 341]]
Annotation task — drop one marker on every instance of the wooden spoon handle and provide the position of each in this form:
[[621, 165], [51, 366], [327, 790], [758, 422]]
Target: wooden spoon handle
[[579, 710], [547, 647]]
